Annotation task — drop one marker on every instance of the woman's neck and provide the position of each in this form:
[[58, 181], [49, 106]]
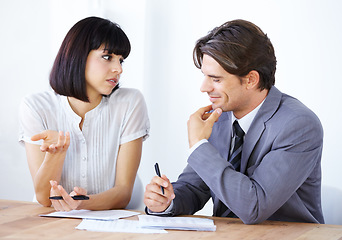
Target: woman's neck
[[81, 107]]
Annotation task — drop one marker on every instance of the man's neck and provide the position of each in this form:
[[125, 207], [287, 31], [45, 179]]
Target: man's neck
[[255, 100]]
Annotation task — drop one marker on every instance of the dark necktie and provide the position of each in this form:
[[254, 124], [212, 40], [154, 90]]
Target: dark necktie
[[235, 158]]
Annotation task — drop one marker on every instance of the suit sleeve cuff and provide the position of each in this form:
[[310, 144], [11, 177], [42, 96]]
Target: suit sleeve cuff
[[167, 211], [194, 147]]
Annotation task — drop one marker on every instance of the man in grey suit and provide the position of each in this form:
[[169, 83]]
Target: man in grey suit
[[254, 150]]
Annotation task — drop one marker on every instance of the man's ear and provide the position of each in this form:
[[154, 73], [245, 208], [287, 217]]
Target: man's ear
[[252, 79]]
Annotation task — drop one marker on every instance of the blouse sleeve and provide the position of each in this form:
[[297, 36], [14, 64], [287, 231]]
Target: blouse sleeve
[[136, 122], [30, 122]]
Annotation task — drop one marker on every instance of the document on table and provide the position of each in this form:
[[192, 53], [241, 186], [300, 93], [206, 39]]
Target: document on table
[[101, 215], [121, 225], [178, 223]]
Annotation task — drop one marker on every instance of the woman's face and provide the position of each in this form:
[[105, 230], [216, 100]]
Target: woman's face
[[102, 72]]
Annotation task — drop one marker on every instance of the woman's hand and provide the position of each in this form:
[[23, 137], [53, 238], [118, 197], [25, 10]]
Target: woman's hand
[[68, 203], [53, 141]]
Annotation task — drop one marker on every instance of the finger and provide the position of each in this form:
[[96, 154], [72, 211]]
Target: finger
[[164, 182], [65, 206], [154, 205], [156, 202], [44, 147], [214, 115], [168, 188], [67, 140], [52, 148], [205, 109], [60, 140], [160, 181], [72, 204], [57, 206], [53, 183], [39, 136], [55, 192], [80, 191], [206, 115], [153, 191]]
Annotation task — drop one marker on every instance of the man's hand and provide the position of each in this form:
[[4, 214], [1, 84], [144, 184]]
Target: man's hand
[[200, 124], [154, 199]]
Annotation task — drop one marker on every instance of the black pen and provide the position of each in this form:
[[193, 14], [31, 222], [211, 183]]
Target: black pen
[[76, 197], [156, 167]]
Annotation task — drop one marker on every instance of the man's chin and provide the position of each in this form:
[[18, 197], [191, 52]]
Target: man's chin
[[215, 106]]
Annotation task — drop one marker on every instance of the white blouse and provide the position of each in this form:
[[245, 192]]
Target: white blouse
[[91, 158]]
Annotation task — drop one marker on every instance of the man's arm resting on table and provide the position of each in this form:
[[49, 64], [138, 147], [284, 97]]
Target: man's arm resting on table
[[168, 211]]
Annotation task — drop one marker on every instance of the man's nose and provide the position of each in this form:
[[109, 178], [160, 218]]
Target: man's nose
[[206, 85]]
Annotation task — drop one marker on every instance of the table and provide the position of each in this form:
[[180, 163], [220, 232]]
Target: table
[[20, 220]]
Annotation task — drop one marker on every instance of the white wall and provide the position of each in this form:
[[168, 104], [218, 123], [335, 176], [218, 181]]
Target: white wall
[[305, 33]]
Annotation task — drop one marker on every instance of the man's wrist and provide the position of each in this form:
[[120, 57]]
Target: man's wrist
[[196, 145], [167, 211]]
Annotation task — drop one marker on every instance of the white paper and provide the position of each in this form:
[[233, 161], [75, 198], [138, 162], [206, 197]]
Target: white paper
[[101, 215], [126, 226], [179, 223]]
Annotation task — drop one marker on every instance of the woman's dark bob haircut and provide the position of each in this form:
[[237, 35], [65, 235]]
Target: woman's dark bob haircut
[[239, 47], [67, 76]]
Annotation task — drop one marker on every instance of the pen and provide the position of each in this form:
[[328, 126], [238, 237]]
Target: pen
[[156, 167], [76, 197]]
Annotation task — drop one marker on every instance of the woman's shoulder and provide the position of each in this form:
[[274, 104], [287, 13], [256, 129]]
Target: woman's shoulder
[[43, 99], [126, 94]]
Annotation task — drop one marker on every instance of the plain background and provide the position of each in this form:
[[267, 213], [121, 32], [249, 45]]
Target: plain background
[[306, 35]]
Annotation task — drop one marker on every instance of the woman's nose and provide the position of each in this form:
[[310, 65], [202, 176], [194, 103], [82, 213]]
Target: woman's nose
[[117, 67]]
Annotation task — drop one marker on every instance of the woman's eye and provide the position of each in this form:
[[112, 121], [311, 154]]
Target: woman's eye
[[107, 57], [216, 80], [121, 61]]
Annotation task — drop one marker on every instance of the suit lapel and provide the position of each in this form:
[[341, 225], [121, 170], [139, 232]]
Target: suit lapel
[[221, 135], [220, 139], [268, 108]]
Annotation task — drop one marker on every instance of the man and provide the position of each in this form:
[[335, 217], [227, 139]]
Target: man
[[255, 151]]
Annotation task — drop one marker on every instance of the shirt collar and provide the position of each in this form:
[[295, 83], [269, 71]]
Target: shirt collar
[[246, 121]]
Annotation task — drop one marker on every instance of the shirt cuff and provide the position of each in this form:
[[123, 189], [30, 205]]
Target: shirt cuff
[[193, 148], [167, 211]]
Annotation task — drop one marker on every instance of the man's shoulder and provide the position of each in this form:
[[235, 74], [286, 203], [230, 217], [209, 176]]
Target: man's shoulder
[[293, 108], [287, 107]]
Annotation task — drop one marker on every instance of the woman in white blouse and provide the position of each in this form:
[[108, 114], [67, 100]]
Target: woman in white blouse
[[86, 136]]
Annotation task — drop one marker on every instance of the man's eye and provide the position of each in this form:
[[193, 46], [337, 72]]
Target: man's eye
[[216, 80], [107, 57], [121, 61]]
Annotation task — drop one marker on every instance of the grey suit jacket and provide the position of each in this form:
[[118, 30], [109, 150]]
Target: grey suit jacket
[[280, 175]]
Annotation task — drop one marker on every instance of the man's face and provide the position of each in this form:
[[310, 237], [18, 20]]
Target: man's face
[[225, 90]]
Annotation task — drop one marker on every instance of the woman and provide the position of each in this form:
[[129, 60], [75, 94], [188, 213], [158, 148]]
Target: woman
[[104, 125]]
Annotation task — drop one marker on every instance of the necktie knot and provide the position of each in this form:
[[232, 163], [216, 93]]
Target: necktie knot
[[238, 130]]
